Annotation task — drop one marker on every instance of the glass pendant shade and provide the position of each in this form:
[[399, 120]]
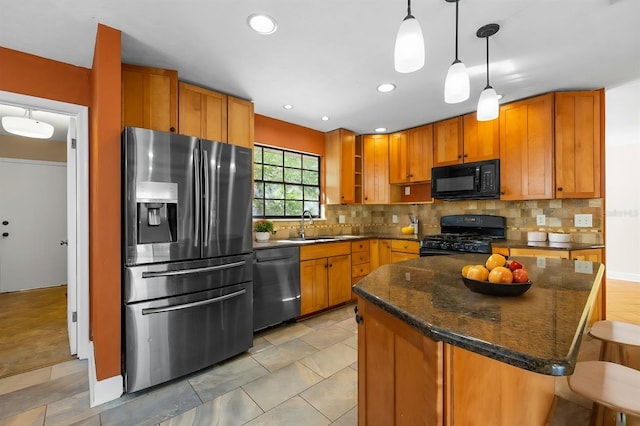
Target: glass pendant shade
[[456, 86], [409, 50], [488, 107], [28, 127]]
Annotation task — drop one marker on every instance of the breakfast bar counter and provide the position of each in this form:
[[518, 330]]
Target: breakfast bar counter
[[431, 351]]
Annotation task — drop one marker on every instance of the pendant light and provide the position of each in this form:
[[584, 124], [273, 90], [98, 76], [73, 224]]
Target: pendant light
[[27, 126], [409, 50], [488, 108], [456, 85]]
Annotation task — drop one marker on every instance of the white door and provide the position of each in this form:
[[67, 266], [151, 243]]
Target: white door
[[33, 204]]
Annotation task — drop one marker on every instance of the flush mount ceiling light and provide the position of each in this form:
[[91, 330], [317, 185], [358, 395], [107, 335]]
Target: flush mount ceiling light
[[456, 85], [381, 129], [27, 126], [287, 106], [409, 50], [386, 87], [488, 107], [262, 24]]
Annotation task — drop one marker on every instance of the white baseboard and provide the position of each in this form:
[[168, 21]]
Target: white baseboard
[[623, 276], [104, 390]]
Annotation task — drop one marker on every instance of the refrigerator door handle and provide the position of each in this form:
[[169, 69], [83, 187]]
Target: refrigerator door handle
[[154, 274], [149, 311], [196, 179], [207, 225]]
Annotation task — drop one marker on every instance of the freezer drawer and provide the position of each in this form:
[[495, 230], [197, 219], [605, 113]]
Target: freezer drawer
[[168, 338], [162, 280]]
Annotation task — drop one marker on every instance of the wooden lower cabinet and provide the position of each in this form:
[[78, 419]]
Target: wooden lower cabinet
[[406, 378], [402, 250], [325, 276], [360, 260]]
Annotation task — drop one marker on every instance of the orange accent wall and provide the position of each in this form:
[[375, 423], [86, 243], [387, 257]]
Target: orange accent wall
[[104, 206], [36, 76], [270, 131]]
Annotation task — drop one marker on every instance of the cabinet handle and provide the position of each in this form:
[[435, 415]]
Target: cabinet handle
[[459, 157], [359, 318], [560, 189], [331, 265], [172, 129], [342, 196], [502, 192], [465, 156]]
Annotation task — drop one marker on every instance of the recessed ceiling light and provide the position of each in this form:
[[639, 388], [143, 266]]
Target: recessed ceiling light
[[381, 129], [287, 106], [262, 24], [325, 118], [386, 87]]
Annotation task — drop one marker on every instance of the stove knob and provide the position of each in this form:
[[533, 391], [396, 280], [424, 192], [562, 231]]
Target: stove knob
[[446, 246]]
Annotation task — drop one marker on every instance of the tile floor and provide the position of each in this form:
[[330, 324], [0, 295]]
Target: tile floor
[[301, 373]]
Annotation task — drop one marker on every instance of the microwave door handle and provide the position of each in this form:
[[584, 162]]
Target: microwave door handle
[[477, 179]]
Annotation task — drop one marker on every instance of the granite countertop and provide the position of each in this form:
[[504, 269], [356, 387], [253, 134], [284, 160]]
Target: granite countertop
[[538, 331], [338, 238], [544, 245]]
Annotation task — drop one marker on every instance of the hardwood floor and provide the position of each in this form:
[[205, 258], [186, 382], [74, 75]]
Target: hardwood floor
[[34, 329]]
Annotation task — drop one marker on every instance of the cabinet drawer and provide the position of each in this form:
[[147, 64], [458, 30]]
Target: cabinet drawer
[[558, 254], [360, 270], [358, 258], [360, 246], [316, 251], [405, 246]]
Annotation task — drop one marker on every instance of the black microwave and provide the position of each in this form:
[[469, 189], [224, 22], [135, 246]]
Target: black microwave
[[470, 181]]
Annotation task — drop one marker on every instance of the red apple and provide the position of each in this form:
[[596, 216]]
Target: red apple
[[520, 276], [514, 264]]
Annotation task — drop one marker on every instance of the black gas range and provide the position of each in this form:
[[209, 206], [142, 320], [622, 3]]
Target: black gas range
[[464, 234]]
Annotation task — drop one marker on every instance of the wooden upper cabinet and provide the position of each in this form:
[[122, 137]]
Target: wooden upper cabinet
[[526, 149], [411, 155], [376, 169], [240, 122], [481, 139], [398, 156], [149, 98], [448, 142], [578, 144], [203, 113], [340, 160]]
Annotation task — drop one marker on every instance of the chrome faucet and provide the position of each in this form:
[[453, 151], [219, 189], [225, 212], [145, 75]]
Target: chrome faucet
[[308, 213]]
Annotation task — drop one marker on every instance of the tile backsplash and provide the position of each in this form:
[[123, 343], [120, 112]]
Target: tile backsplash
[[521, 218]]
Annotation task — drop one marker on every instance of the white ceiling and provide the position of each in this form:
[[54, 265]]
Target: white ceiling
[[328, 56]]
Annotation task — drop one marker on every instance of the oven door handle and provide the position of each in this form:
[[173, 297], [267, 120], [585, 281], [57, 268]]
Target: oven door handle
[[192, 271], [149, 311]]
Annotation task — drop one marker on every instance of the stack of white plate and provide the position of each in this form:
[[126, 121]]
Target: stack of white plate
[[536, 236]]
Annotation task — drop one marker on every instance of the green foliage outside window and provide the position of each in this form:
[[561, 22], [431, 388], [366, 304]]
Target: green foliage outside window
[[285, 183]]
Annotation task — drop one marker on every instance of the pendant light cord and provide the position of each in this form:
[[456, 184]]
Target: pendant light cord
[[456, 31], [488, 86], [409, 15]]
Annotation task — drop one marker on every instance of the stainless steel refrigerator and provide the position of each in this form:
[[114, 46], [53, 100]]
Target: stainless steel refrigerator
[[187, 243]]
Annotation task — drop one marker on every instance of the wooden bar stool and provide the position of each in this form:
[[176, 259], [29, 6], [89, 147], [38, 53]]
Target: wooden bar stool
[[609, 385], [615, 333]]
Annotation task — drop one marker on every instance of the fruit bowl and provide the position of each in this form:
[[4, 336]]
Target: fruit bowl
[[496, 289]]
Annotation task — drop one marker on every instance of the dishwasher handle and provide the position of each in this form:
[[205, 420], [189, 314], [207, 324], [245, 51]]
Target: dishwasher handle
[[154, 274], [149, 311], [273, 259]]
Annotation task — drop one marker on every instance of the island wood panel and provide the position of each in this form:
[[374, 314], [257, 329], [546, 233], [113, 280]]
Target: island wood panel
[[483, 391], [400, 372]]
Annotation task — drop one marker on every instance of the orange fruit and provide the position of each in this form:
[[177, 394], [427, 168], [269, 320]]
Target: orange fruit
[[478, 272], [500, 274], [495, 260], [465, 270]]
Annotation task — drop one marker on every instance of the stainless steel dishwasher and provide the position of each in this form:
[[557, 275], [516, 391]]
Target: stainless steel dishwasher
[[276, 286]]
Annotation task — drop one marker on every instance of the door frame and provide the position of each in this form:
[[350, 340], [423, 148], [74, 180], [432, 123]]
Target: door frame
[[77, 217]]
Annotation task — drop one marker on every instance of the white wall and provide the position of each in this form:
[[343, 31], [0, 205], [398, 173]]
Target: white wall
[[622, 153]]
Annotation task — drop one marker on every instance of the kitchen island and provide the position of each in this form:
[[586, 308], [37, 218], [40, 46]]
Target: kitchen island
[[430, 351]]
